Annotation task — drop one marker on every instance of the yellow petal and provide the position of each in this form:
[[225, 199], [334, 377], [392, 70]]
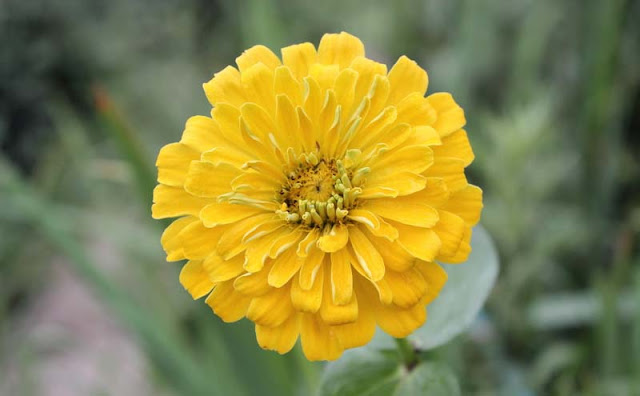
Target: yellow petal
[[324, 75], [171, 244], [311, 299], [414, 159], [286, 84], [450, 115], [173, 163], [456, 145], [288, 123], [221, 270], [202, 134], [335, 239], [287, 239], [199, 241], [307, 131], [271, 309], [265, 152], [227, 118], [341, 277], [392, 185], [407, 210], [422, 243], [416, 110], [311, 268], [395, 136], [258, 84], [299, 58], [344, 88], [450, 230], [313, 99], [266, 169], [195, 279], [265, 228], [257, 54], [367, 71], [328, 117], [227, 303], [435, 194], [258, 121], [365, 217], [308, 242], [249, 182], [377, 191], [462, 252], [225, 155], [425, 135], [284, 268], [208, 180], [258, 250], [451, 170], [394, 255], [466, 203], [225, 87], [319, 342], [385, 296], [366, 254], [388, 138], [224, 213], [339, 49], [253, 284], [378, 94], [408, 287], [435, 276], [174, 202], [358, 333], [334, 314], [398, 322], [376, 128], [280, 338], [406, 77], [230, 244]]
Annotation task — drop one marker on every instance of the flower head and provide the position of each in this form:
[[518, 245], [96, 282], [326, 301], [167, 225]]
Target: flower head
[[317, 198]]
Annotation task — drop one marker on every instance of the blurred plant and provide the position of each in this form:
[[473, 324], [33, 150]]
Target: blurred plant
[[527, 170]]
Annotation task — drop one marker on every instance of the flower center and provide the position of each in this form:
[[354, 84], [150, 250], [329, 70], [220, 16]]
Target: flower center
[[318, 192]]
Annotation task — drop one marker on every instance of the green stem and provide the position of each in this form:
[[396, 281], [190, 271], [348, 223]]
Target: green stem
[[128, 142], [407, 352]]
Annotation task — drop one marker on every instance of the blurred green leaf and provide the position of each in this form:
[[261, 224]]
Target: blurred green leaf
[[429, 379], [361, 371], [372, 372], [553, 360], [462, 297], [567, 310], [165, 347], [460, 300]]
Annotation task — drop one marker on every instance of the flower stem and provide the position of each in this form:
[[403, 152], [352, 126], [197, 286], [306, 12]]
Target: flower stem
[[407, 353]]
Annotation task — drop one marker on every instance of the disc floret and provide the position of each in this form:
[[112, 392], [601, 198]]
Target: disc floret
[[319, 192]]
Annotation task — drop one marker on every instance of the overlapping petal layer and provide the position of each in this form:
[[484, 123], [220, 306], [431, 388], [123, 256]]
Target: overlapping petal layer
[[318, 196]]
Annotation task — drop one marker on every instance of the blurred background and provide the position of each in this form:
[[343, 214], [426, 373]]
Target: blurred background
[[89, 92]]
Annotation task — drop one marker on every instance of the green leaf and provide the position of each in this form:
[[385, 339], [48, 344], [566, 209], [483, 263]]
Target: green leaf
[[460, 300], [462, 297], [362, 371], [371, 372], [429, 379]]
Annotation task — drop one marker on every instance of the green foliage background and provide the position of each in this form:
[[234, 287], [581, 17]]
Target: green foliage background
[[89, 92]]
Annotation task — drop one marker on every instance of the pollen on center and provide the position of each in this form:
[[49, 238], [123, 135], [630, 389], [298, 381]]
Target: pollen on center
[[318, 192]]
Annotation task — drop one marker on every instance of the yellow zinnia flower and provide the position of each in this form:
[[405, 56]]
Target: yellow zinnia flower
[[317, 197]]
